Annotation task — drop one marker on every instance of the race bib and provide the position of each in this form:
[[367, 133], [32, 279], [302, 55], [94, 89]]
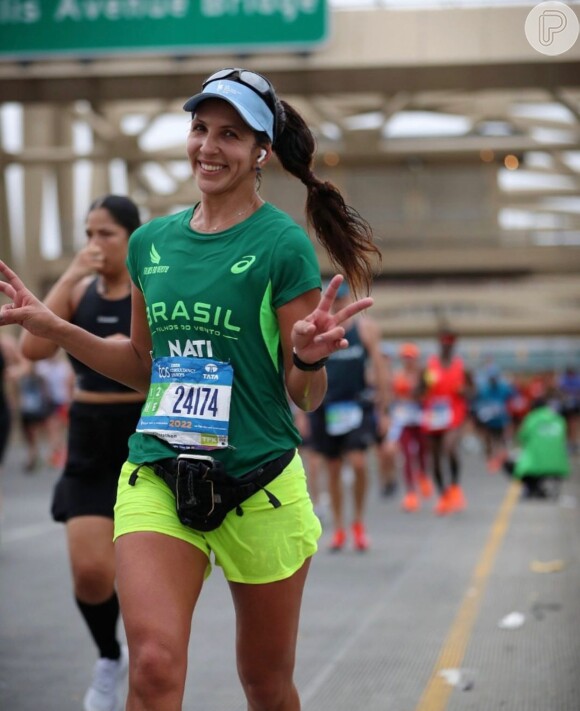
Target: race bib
[[438, 415], [406, 413], [342, 417], [188, 404], [490, 411]]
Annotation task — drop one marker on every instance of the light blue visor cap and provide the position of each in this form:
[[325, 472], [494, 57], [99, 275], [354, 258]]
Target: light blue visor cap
[[245, 101]]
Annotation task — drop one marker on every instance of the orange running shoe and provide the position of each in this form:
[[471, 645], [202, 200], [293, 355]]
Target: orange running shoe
[[411, 502], [425, 486], [58, 458], [443, 505], [361, 540], [456, 498], [338, 540], [494, 464]]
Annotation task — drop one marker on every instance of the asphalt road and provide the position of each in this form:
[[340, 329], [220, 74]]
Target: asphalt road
[[424, 621]]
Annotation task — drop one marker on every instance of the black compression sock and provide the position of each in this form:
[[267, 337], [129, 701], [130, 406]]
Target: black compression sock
[[454, 467], [101, 620]]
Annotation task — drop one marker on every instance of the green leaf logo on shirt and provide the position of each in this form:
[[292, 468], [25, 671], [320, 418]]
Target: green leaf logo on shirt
[[154, 255], [244, 263]]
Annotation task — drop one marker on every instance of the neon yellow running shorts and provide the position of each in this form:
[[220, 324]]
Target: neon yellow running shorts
[[263, 545]]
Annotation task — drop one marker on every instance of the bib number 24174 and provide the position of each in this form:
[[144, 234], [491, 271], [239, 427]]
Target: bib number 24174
[[188, 404]]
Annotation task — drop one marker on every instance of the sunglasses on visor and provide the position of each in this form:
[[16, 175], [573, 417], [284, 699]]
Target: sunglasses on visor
[[256, 82]]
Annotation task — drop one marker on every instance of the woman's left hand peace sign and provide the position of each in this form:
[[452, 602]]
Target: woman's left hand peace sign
[[322, 332]]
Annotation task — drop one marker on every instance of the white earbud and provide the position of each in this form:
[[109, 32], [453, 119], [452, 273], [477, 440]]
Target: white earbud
[[263, 154]]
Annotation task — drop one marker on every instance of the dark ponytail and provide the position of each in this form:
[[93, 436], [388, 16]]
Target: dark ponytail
[[345, 235], [122, 209]]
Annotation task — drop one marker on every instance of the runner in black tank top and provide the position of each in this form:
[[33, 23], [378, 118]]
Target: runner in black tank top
[[103, 317], [345, 425], [94, 293], [346, 370]]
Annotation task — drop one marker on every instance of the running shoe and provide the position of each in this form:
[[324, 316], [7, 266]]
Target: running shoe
[[443, 505], [411, 502], [58, 458], [425, 486], [105, 691], [361, 540], [494, 464], [456, 498], [338, 540]]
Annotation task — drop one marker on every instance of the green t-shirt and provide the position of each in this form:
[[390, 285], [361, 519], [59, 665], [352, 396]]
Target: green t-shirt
[[215, 296]]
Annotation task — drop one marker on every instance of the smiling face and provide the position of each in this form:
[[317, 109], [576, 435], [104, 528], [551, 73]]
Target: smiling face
[[222, 149], [109, 238]]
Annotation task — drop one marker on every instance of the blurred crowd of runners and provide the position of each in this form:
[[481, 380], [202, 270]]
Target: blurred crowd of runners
[[429, 408]]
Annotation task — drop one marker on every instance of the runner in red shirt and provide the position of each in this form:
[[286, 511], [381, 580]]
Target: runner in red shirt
[[444, 411]]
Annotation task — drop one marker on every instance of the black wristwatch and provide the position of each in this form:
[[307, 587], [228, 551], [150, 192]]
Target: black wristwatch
[[301, 365]]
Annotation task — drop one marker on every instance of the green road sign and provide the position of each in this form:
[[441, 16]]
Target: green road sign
[[36, 28]]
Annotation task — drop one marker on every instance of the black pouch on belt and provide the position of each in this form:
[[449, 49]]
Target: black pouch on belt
[[205, 492]]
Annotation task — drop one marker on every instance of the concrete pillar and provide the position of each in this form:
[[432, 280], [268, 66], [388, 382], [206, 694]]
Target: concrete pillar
[[63, 136], [6, 252], [37, 133]]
